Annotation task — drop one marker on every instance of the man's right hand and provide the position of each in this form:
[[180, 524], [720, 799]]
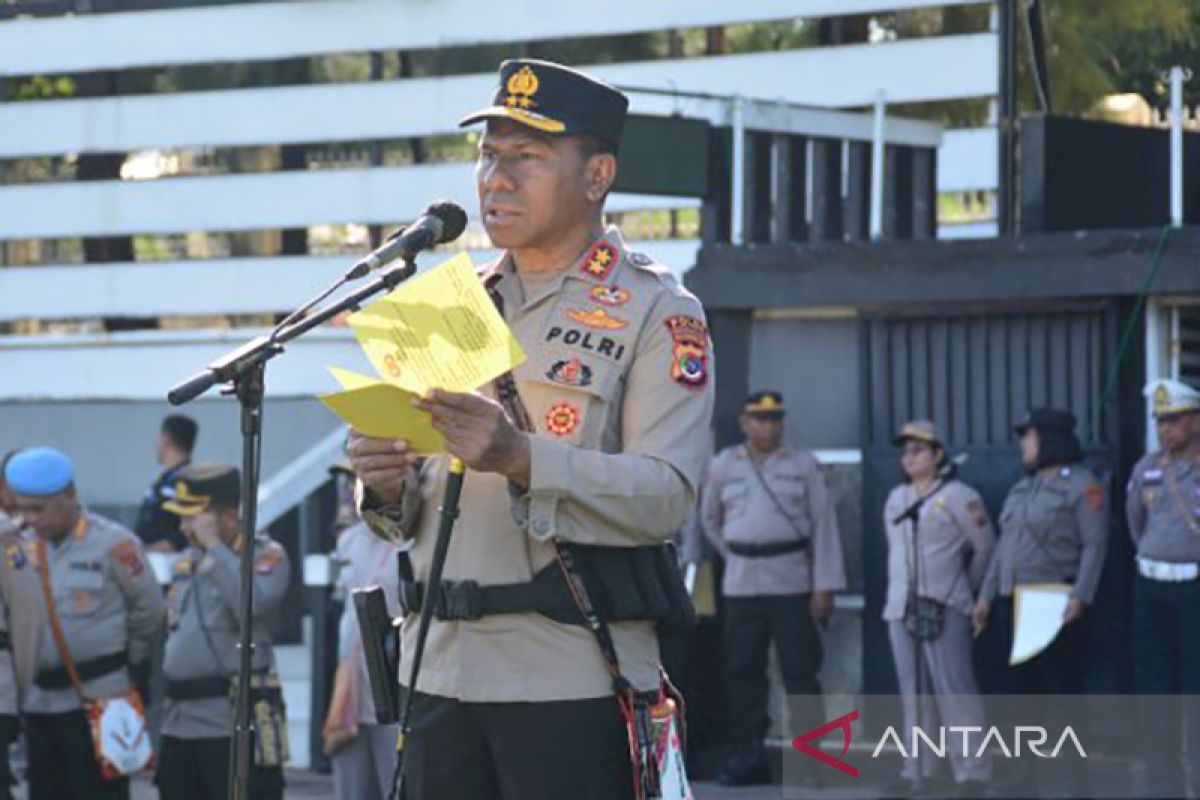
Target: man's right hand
[[980, 614], [382, 465]]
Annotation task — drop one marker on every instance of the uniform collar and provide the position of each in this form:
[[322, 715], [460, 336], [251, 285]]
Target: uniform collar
[[781, 451], [600, 263]]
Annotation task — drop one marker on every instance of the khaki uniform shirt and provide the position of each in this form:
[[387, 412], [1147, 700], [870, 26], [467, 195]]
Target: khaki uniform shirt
[[736, 508], [1162, 506], [204, 628], [1053, 529], [107, 602], [618, 383], [953, 546], [22, 617]]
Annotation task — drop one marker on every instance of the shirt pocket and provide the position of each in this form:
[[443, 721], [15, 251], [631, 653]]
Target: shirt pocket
[[573, 399], [733, 498], [82, 593], [791, 491]]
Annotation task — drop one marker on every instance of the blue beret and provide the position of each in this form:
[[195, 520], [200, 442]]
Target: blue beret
[[39, 471]]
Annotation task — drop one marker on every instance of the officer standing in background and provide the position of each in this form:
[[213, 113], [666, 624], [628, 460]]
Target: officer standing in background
[[592, 441], [156, 527], [109, 608], [21, 621], [1162, 506], [767, 511], [1053, 529], [8, 501], [363, 752], [201, 660], [940, 542]]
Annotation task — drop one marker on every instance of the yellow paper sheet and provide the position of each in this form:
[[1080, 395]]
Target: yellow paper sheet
[[439, 330], [383, 410]]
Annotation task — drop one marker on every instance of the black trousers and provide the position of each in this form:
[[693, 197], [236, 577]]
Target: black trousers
[[517, 751], [751, 624], [1166, 661], [62, 763], [1060, 669], [198, 769]]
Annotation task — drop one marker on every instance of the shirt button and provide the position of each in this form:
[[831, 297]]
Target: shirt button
[[541, 527]]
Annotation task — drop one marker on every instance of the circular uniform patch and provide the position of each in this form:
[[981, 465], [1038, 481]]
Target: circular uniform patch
[[562, 419]]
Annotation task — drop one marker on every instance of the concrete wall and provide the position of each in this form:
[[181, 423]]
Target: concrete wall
[[112, 443]]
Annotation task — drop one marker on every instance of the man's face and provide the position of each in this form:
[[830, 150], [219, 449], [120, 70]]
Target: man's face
[[52, 517], [1177, 431], [162, 447], [763, 433], [1030, 444], [8, 500], [532, 188], [212, 523]]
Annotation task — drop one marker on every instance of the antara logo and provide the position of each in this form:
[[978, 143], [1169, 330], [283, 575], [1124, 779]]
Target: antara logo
[[1028, 738]]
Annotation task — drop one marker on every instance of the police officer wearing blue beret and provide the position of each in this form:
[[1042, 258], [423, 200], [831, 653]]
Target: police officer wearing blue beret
[[101, 595]]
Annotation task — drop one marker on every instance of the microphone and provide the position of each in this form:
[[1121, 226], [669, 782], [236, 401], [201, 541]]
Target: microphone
[[442, 222]]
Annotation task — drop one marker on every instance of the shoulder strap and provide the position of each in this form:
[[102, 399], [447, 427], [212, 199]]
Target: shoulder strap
[[775, 500], [60, 641], [1188, 516]]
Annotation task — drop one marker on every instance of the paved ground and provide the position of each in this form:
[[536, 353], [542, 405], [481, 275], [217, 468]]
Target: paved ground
[[303, 784]]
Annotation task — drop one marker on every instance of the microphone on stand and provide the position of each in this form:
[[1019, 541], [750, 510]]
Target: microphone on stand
[[442, 222]]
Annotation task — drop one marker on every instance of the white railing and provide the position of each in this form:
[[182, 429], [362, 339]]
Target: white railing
[[281, 30]]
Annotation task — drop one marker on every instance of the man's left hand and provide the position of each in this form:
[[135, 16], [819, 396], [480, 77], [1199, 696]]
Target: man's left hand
[[820, 606], [479, 433]]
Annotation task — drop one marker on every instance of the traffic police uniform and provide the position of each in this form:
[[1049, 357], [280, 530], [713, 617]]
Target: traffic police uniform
[[1162, 506], [617, 387], [1053, 529], [110, 609], [775, 557], [947, 548], [201, 660]]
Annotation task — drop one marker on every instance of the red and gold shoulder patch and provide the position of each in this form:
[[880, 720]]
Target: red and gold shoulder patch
[[1094, 493], [978, 513], [268, 559], [562, 419], [689, 359], [611, 296], [600, 260], [597, 318], [127, 555]]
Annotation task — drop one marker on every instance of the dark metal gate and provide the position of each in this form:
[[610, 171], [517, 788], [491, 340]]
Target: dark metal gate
[[975, 372]]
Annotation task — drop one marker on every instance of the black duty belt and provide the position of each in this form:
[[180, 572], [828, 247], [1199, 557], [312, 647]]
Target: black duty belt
[[626, 584], [766, 549], [57, 677], [214, 686]]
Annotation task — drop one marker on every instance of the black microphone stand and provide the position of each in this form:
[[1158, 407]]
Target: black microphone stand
[[913, 515], [243, 369]]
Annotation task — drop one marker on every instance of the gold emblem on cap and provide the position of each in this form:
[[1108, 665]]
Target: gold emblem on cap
[[1162, 397], [768, 403], [522, 86]]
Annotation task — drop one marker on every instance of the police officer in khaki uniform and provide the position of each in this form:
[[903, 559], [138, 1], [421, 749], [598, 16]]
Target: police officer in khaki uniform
[[1053, 529], [201, 660], [21, 622], [1163, 510], [940, 542], [593, 441], [109, 608], [767, 511]]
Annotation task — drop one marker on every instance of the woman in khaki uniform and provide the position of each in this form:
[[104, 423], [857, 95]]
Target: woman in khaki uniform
[[939, 543]]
